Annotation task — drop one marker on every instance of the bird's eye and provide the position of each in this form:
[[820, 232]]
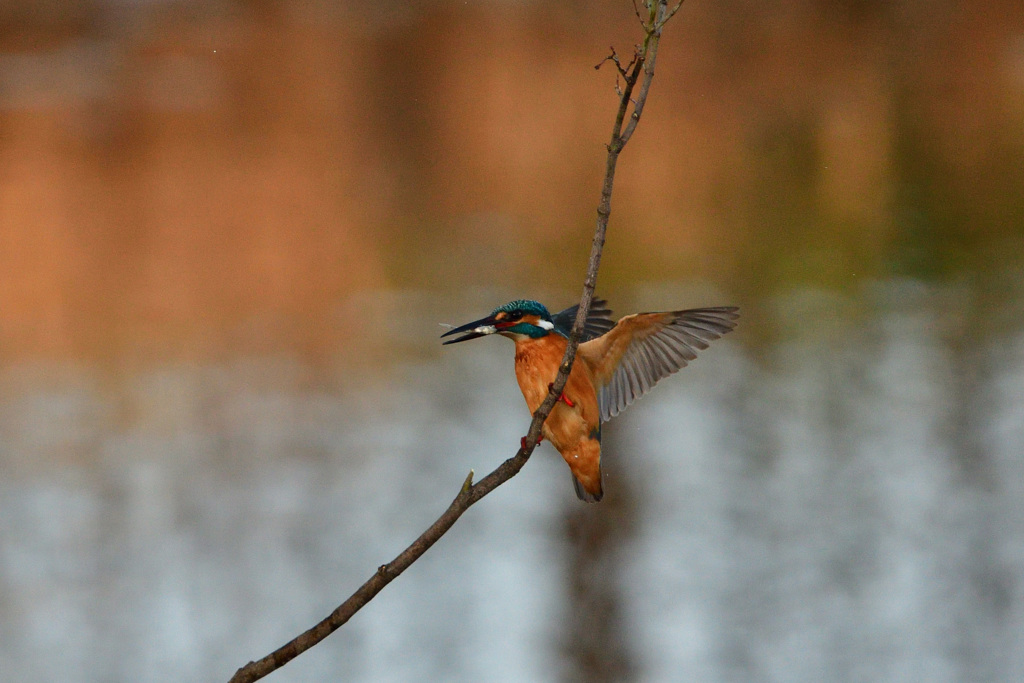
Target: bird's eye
[[515, 315]]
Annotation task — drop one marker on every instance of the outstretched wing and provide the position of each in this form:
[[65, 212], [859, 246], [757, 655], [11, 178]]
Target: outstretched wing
[[598, 320], [643, 348]]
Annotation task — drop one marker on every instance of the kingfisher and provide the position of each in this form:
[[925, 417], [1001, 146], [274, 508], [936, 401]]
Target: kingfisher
[[616, 363]]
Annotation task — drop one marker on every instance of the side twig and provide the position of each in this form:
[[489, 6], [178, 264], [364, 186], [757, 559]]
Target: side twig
[[470, 493]]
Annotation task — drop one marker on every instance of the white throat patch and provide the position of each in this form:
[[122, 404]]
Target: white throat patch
[[545, 324]]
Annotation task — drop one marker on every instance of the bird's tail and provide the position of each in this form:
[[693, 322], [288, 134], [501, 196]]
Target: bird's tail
[[585, 495], [584, 462]]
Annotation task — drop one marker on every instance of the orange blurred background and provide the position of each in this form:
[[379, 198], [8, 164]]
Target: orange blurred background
[[180, 178]]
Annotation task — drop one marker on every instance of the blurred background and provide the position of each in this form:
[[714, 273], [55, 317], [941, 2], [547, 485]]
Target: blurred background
[[229, 230]]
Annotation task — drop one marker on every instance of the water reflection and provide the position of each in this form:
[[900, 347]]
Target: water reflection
[[813, 515]]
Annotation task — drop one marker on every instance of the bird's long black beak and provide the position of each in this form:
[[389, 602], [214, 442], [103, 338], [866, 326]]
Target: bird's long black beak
[[477, 328]]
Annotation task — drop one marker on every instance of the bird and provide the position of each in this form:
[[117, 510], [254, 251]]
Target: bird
[[616, 363]]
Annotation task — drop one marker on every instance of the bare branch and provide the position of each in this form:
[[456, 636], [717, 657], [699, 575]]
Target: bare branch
[[660, 15], [671, 13], [614, 58], [470, 493]]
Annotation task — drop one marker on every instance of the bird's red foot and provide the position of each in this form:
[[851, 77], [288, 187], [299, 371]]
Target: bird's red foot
[[563, 397], [522, 441]]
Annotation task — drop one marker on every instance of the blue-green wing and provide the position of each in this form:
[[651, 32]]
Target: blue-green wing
[[598, 320]]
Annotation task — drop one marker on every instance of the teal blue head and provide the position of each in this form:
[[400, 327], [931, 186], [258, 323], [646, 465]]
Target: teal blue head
[[522, 317]]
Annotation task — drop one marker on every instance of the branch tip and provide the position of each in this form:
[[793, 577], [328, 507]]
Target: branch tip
[[670, 14]]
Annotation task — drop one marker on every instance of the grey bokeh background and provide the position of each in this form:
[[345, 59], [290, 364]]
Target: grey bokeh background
[[228, 231]]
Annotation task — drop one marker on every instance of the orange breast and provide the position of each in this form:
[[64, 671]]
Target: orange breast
[[573, 430], [537, 362]]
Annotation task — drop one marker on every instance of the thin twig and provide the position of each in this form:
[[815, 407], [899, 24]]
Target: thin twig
[[614, 59], [659, 15], [671, 13], [470, 493]]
